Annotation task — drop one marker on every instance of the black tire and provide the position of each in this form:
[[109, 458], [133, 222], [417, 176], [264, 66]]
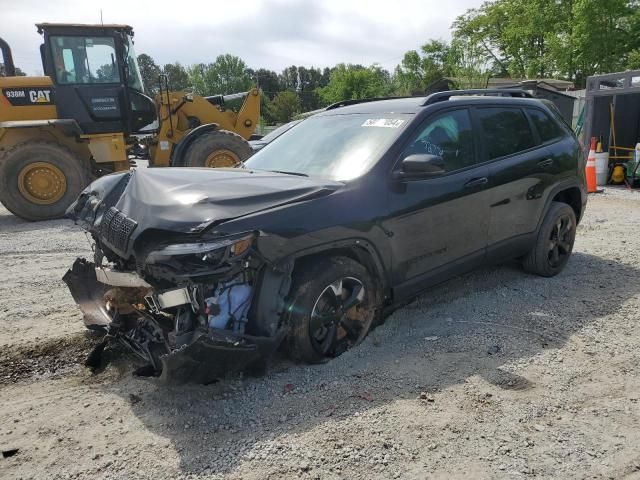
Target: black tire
[[55, 158], [554, 242], [231, 148], [308, 289]]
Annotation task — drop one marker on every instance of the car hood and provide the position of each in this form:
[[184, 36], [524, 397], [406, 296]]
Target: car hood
[[187, 200]]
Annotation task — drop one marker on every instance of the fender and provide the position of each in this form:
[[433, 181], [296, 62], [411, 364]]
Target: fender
[[179, 152], [353, 244], [69, 127], [571, 183]]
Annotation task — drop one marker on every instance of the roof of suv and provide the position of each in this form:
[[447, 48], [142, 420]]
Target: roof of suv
[[415, 104]]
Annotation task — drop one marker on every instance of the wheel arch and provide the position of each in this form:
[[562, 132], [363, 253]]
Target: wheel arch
[[179, 152], [359, 250], [570, 192], [572, 197]]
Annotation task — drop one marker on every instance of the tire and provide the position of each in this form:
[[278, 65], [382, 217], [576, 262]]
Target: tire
[[21, 170], [310, 297], [554, 242], [218, 148]]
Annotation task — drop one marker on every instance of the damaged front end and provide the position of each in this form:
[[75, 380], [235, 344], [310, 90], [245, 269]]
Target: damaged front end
[[193, 307], [196, 330]]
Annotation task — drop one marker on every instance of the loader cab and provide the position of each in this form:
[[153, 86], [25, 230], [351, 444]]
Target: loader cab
[[97, 79]]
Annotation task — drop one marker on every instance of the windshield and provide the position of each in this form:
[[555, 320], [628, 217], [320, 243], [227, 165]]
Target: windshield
[[269, 137], [135, 79], [338, 147], [79, 60]]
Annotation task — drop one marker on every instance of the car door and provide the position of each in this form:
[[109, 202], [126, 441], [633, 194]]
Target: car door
[[438, 225], [520, 168]]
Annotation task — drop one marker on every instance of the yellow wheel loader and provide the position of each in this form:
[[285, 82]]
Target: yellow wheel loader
[[89, 116]]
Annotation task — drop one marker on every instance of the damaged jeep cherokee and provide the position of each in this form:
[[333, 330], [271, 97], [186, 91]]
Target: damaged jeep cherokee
[[356, 210]]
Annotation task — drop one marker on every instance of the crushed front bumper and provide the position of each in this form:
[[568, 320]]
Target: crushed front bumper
[[207, 356]]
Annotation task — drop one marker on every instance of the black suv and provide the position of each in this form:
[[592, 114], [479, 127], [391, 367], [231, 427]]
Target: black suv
[[353, 212]]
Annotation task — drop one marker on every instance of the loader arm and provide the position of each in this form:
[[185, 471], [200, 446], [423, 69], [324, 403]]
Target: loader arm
[[180, 113]]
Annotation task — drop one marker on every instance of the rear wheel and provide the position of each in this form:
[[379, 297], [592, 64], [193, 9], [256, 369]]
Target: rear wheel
[[554, 242], [218, 149], [39, 180], [333, 305]]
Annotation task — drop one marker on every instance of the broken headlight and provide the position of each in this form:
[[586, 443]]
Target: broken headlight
[[212, 251]]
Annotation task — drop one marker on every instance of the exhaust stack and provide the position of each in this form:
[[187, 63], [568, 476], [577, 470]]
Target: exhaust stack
[[9, 67]]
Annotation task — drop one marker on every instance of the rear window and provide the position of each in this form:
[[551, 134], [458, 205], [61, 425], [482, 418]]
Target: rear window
[[546, 126], [506, 131]]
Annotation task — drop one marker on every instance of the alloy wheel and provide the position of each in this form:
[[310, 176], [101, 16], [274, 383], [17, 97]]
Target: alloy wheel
[[338, 316], [560, 241]]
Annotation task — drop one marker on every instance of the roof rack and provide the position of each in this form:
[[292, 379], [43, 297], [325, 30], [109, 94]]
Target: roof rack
[[345, 103], [489, 92]]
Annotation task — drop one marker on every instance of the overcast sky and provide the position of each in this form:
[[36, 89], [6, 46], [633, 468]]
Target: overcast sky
[[264, 33]]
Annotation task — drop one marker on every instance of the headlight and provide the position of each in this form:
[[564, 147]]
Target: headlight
[[236, 245]]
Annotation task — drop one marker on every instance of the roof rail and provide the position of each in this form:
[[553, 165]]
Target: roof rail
[[355, 101], [489, 92]]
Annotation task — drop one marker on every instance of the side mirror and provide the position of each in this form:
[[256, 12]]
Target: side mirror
[[420, 166]]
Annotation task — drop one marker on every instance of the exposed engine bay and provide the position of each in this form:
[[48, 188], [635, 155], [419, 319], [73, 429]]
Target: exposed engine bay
[[194, 331]]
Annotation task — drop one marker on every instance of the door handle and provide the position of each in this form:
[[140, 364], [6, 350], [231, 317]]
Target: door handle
[[547, 162], [476, 182]]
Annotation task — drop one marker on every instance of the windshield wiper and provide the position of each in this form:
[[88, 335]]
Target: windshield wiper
[[299, 174]]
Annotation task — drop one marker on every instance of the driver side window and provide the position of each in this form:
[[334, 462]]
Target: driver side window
[[447, 135]]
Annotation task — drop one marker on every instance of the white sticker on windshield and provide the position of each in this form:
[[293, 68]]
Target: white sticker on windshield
[[383, 122]]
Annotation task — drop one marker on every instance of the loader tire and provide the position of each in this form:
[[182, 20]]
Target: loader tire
[[218, 149], [39, 179]]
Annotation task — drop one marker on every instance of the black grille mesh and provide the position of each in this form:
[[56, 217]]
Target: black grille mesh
[[116, 229]]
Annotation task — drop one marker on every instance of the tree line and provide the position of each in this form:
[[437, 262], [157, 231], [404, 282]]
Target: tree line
[[565, 39]]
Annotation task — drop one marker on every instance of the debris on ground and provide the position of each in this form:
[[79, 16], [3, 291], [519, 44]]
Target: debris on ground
[[560, 399]]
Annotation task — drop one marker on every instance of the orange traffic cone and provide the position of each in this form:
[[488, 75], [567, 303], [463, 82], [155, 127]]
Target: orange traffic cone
[[590, 170]]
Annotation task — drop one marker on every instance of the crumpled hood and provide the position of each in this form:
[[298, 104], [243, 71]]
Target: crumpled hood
[[188, 200]]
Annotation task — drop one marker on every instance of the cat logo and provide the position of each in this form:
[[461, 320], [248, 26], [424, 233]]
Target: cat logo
[[40, 96], [21, 97]]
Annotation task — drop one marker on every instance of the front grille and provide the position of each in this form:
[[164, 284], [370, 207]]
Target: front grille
[[116, 229]]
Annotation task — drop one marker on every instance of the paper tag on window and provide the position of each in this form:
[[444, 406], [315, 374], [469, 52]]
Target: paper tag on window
[[383, 122]]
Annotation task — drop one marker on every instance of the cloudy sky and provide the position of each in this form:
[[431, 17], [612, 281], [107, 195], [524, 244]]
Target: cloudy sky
[[265, 33]]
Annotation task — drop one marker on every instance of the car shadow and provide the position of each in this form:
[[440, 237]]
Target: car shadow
[[482, 324]]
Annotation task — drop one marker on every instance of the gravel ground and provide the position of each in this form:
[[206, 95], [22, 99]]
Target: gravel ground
[[496, 374]]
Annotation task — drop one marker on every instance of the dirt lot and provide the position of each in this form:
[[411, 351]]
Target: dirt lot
[[496, 374]]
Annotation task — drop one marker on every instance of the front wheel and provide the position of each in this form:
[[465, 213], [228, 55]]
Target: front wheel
[[554, 242], [332, 307], [218, 149]]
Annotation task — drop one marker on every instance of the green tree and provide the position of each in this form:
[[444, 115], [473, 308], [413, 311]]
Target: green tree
[[468, 65], [552, 38], [633, 60], [3, 73], [177, 76], [419, 70], [354, 82], [289, 78], [268, 81], [196, 78], [603, 35], [228, 74], [149, 71], [284, 106]]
